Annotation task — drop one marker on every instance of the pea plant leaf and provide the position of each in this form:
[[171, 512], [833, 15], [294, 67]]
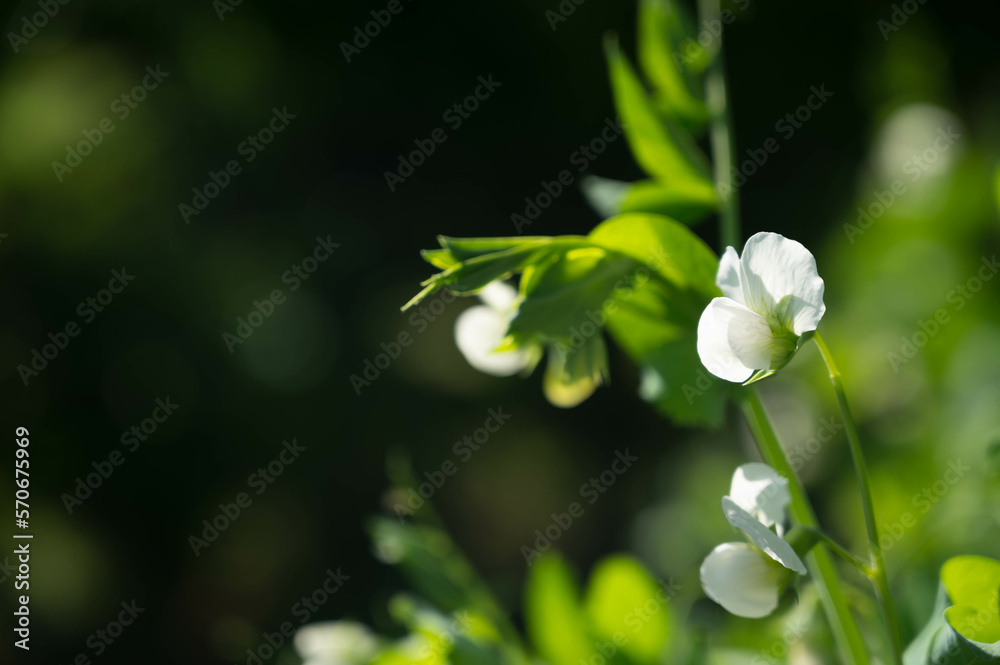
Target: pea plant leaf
[[571, 291], [554, 618], [687, 202], [676, 93], [643, 278], [964, 627], [656, 325], [661, 146], [623, 598]]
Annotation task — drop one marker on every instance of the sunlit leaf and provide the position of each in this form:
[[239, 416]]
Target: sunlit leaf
[[687, 201], [553, 613], [660, 60], [624, 600], [571, 292], [664, 247], [660, 145], [964, 626]]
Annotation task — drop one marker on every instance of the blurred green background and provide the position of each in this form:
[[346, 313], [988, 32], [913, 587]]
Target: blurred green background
[[323, 176]]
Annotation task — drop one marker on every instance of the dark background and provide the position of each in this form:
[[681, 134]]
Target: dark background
[[324, 176]]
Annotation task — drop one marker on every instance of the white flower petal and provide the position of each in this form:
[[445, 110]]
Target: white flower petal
[[768, 541], [336, 643], [741, 580], [728, 277], [780, 282], [733, 341], [762, 492], [500, 296], [478, 331]]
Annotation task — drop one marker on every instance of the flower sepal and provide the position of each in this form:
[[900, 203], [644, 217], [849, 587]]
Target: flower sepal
[[762, 374]]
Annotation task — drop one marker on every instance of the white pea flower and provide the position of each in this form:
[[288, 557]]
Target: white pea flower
[[747, 578], [773, 296], [480, 329], [336, 643]]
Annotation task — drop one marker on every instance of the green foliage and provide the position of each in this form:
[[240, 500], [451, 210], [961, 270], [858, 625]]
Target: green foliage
[[661, 26], [660, 126], [431, 562], [623, 598], [686, 202], [965, 624], [641, 274], [644, 277], [623, 607], [554, 617], [457, 620]]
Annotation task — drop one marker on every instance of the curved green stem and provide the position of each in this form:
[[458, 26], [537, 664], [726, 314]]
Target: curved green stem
[[864, 485], [842, 552], [845, 628], [721, 134]]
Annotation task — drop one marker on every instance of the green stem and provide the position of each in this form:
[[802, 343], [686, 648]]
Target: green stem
[[864, 485], [721, 133], [842, 552], [845, 629]]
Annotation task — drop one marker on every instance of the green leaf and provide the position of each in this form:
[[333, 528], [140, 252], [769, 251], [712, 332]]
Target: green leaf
[[463, 637], [431, 562], [464, 249], [973, 586], [657, 324], [675, 380], [665, 247], [686, 201], [570, 292], [964, 627], [469, 276], [658, 19], [554, 619], [660, 145], [624, 599]]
